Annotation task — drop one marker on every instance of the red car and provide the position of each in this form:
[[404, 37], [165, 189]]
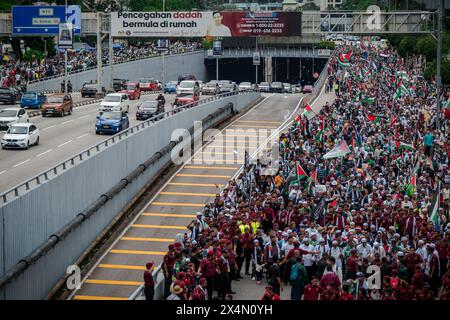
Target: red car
[[148, 84], [185, 98], [133, 90], [307, 89]]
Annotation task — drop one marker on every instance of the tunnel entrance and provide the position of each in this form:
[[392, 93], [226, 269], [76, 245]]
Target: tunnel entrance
[[291, 70]]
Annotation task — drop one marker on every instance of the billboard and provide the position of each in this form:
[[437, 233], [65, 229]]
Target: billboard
[[205, 24], [44, 20]]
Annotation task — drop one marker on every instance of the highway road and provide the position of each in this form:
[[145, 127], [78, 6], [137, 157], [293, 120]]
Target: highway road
[[60, 138], [119, 272], [76, 96]]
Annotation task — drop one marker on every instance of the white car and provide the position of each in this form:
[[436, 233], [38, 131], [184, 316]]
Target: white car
[[115, 102], [20, 136], [245, 86], [188, 86], [9, 116]]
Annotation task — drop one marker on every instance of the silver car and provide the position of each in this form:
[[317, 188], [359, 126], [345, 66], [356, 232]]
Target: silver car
[[264, 87], [211, 87]]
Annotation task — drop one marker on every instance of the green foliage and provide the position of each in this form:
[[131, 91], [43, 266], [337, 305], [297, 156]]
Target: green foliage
[[33, 54], [430, 71], [207, 44], [310, 7], [406, 46], [357, 4], [426, 46], [326, 45]]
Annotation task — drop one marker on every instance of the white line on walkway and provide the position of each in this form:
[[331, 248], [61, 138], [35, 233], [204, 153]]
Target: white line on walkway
[[67, 121], [41, 154], [2, 172], [21, 163], [63, 144], [49, 127], [83, 135]]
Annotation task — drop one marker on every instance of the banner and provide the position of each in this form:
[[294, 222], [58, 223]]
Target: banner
[[65, 36], [217, 48], [205, 24]]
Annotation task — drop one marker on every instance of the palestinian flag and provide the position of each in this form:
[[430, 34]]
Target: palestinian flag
[[344, 64], [401, 74], [345, 57], [402, 90], [333, 203], [393, 121], [411, 186], [321, 130], [369, 100], [434, 214], [406, 146], [300, 172], [312, 178], [338, 151], [366, 73], [297, 120], [308, 112], [372, 118]]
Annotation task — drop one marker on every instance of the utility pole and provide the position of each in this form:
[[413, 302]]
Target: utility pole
[[438, 63], [256, 67], [217, 68], [111, 54], [99, 54], [66, 74]]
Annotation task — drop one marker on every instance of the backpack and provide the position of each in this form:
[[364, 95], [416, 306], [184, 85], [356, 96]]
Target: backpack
[[298, 274]]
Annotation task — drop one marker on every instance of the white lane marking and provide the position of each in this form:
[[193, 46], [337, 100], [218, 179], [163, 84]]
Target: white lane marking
[[84, 116], [63, 144], [49, 127], [2, 172], [21, 163], [83, 135], [41, 154], [67, 121]]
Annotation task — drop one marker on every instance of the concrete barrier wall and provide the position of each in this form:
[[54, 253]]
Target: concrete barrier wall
[[32, 218], [185, 63]]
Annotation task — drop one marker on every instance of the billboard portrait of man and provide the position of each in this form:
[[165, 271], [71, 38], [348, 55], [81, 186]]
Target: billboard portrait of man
[[217, 29]]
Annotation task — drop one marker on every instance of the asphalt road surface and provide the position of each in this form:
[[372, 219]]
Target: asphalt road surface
[[60, 138]]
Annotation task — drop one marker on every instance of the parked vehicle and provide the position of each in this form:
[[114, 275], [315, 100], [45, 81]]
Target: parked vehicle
[[307, 88], [277, 87], [90, 90], [10, 95], [20, 136], [32, 99], [246, 86], [296, 88], [148, 109], [133, 90], [211, 87], [148, 84], [287, 88], [9, 116], [119, 84], [264, 87], [58, 104], [111, 122], [115, 102], [227, 86], [188, 86], [170, 87]]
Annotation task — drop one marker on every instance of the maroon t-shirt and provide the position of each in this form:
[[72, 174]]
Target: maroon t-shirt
[[208, 268]]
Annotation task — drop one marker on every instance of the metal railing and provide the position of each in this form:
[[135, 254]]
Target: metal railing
[[83, 155], [291, 52], [60, 75]]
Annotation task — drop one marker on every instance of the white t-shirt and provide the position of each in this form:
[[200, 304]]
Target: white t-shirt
[[219, 31]]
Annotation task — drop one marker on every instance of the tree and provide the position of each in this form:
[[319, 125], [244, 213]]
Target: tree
[[406, 46], [430, 71]]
